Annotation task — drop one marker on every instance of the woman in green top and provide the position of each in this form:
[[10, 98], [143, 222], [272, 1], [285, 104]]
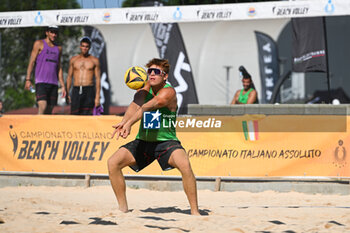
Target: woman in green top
[[248, 94]]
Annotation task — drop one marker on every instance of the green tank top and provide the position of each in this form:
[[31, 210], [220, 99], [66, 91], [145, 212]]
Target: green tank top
[[159, 124], [243, 98]]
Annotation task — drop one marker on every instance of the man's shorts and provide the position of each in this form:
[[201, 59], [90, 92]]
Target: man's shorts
[[146, 152], [83, 100], [48, 92]]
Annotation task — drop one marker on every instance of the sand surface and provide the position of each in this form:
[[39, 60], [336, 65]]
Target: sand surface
[[78, 209]]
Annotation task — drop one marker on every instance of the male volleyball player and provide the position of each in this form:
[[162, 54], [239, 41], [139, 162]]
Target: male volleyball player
[[83, 67], [248, 94], [46, 56], [153, 104]]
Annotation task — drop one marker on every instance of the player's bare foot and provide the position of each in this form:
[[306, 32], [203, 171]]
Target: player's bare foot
[[196, 212], [124, 209]]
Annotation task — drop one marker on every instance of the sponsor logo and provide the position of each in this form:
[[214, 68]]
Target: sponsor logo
[[267, 69], [214, 14], [251, 12], [290, 10], [59, 145], [14, 139], [151, 120], [210, 123], [142, 16], [308, 56], [155, 120], [72, 18], [177, 14], [339, 155], [329, 8], [107, 17], [250, 130], [10, 20], [38, 18]]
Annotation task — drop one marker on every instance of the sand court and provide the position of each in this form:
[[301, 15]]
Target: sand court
[[94, 209]]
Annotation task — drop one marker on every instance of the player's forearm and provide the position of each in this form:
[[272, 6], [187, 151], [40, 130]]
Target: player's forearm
[[132, 109], [69, 81], [98, 88], [62, 83], [154, 103], [135, 117], [60, 78], [69, 84], [149, 106], [30, 70]]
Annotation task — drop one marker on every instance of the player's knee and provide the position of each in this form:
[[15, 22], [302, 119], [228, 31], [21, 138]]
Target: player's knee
[[112, 163], [116, 161], [184, 167]]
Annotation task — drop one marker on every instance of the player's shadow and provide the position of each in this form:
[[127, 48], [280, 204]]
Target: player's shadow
[[42, 212], [68, 222], [172, 209], [157, 218], [167, 228], [100, 221]]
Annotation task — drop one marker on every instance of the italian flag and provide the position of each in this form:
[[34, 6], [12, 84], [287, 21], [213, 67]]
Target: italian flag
[[251, 130]]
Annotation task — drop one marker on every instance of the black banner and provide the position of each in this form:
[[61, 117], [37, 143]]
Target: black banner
[[269, 65], [98, 49], [309, 50], [170, 45]]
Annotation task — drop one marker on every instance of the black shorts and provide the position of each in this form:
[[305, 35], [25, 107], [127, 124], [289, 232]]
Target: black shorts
[[82, 102], [48, 92], [146, 152]]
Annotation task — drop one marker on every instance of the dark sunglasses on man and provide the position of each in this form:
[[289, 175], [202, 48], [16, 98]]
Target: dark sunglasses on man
[[155, 71], [53, 31]]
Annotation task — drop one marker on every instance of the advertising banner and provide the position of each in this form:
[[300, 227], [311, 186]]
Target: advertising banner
[[269, 65], [232, 146], [309, 48], [176, 14], [171, 46]]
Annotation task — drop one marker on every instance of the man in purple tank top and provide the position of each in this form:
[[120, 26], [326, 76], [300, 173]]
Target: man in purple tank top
[[46, 57]]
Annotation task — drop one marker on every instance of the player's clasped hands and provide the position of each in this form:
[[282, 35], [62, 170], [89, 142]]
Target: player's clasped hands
[[121, 129]]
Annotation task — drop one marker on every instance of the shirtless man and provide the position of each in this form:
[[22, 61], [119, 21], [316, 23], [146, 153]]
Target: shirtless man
[[84, 67]]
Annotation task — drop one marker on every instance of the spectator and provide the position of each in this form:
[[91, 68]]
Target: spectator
[[46, 57], [83, 67], [248, 94]]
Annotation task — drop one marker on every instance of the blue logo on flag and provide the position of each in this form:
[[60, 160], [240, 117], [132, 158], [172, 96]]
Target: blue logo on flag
[[151, 120]]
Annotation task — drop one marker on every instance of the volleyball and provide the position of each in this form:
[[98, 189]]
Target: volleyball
[[135, 77]]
